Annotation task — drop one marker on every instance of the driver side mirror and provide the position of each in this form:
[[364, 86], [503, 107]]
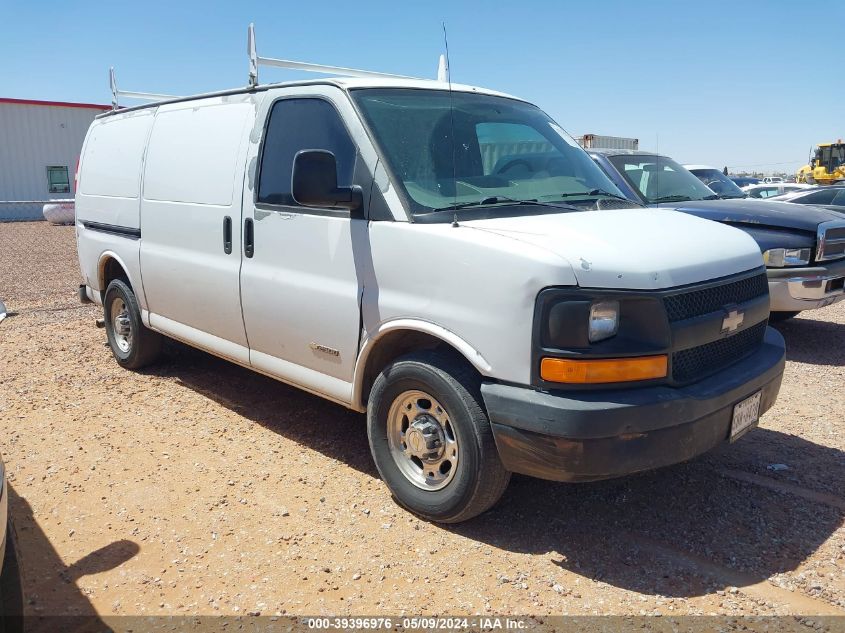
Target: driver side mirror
[[314, 183]]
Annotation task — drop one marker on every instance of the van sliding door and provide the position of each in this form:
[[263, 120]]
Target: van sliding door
[[191, 219]]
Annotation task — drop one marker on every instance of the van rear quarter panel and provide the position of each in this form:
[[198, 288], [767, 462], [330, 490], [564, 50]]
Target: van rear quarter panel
[[110, 169], [108, 193]]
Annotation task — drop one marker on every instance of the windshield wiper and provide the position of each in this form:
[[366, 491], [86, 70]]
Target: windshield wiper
[[595, 193], [591, 192], [672, 199], [607, 194], [500, 200]]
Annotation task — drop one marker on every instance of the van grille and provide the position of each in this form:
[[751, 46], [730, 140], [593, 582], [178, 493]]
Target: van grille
[[697, 302], [698, 362]]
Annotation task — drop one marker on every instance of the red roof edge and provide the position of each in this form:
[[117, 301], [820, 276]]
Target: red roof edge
[[61, 104]]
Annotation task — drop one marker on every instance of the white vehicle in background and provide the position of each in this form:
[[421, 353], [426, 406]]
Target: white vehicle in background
[[773, 189], [444, 258]]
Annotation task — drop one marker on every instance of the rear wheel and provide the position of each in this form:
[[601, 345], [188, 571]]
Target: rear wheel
[[431, 439], [133, 345]]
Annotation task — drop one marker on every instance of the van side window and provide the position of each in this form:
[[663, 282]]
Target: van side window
[[295, 125]]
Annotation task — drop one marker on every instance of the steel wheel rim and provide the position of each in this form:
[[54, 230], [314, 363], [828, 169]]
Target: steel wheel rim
[[121, 325], [422, 440]]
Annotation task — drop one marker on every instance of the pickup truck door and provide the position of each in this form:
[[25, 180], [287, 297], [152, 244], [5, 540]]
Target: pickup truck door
[[300, 288]]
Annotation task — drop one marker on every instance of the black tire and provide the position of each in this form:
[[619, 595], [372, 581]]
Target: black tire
[[145, 345], [479, 479], [779, 317]]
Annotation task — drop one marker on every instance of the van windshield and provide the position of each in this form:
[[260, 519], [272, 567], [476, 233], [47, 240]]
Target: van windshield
[[470, 152]]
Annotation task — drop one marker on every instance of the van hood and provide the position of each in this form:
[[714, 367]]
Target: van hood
[[642, 249], [803, 217]]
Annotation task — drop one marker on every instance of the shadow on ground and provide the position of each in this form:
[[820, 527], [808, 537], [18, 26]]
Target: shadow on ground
[[51, 598], [309, 420], [814, 342], [649, 533], [605, 530]]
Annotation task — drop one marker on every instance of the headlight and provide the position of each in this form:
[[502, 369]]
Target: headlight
[[604, 320], [780, 257]]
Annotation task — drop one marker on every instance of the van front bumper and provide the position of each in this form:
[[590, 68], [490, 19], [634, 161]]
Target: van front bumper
[[591, 435], [796, 289]]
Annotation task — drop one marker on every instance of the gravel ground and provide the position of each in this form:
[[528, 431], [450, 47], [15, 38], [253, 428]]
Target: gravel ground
[[198, 487]]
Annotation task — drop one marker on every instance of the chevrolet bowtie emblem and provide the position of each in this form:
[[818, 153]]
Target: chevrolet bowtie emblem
[[733, 320]]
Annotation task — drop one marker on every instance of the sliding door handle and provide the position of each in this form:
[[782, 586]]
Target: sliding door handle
[[227, 235], [249, 237]]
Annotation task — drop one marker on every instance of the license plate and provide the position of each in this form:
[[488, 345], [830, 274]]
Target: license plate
[[746, 414]]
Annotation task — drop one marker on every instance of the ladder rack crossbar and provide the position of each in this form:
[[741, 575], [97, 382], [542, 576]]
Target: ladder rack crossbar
[[324, 69], [152, 96], [255, 61]]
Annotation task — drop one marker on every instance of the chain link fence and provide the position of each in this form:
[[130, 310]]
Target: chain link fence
[[22, 210], [39, 269], [56, 210]]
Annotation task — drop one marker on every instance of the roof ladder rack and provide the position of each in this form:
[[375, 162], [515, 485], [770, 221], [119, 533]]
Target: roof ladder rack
[[255, 61], [146, 96]]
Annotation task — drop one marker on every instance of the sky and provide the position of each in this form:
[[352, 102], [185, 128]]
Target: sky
[[752, 85]]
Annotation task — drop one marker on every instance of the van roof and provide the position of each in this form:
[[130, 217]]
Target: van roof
[[345, 83]]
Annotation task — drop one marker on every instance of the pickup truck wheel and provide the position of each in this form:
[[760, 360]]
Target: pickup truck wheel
[[133, 345], [431, 439]]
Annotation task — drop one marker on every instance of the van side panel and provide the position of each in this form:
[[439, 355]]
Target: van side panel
[[192, 154], [108, 197], [110, 169], [193, 179]]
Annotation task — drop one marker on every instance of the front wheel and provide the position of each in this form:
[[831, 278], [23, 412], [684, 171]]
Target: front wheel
[[431, 440]]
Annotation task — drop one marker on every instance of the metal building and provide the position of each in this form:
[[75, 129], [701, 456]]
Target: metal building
[[40, 142]]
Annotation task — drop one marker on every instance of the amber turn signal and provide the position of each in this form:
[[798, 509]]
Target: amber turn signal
[[603, 370]]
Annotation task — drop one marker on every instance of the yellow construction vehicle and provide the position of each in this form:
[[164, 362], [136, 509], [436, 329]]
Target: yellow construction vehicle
[[827, 166]]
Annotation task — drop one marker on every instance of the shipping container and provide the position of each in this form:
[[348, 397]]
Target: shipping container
[[597, 141]]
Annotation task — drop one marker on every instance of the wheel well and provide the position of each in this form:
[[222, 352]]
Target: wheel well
[[111, 270], [399, 343]]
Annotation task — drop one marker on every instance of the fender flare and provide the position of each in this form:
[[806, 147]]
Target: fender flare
[[101, 268], [370, 342]]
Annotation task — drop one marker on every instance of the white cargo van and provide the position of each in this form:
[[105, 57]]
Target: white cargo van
[[446, 259]]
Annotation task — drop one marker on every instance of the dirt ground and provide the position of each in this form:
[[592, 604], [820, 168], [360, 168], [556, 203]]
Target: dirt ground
[[198, 487]]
